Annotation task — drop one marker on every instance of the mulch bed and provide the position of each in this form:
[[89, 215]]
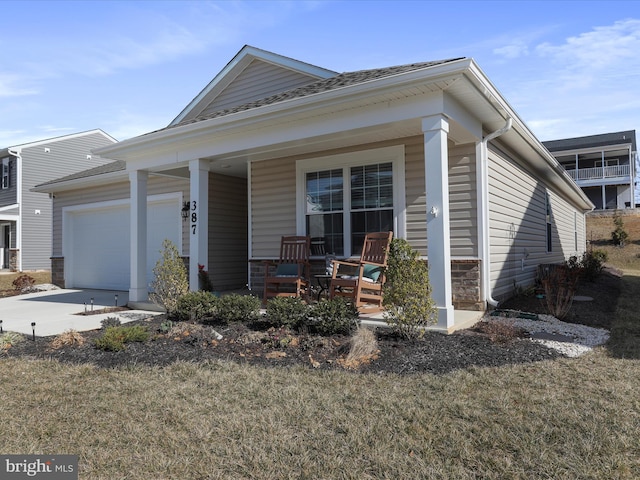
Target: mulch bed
[[259, 345]]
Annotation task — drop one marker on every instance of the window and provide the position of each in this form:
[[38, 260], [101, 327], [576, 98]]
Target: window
[[548, 217], [346, 196], [6, 173]]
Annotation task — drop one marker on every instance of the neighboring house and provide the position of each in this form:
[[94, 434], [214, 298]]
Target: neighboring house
[[604, 166], [274, 146], [25, 216]]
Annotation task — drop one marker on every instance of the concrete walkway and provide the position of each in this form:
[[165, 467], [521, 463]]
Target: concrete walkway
[[56, 311]]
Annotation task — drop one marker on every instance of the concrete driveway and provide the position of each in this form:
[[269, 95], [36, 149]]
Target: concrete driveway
[[55, 311]]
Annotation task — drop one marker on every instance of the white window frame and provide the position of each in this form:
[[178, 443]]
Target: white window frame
[[394, 155]]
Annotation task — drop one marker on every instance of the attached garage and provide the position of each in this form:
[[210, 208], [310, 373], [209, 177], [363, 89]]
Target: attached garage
[[96, 247]]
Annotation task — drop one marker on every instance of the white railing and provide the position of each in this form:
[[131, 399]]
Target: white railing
[[600, 172]]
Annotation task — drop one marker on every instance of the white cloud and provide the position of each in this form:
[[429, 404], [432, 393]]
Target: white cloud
[[605, 56], [14, 86], [514, 50]]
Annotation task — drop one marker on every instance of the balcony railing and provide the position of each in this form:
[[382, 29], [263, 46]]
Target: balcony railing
[[600, 172]]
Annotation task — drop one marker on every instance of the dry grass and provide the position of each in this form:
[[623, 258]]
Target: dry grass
[[564, 419], [65, 339], [364, 349], [6, 279], [599, 235]]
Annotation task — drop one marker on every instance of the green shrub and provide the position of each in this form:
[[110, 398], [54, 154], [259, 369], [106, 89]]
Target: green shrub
[[170, 278], [407, 295], [196, 306], [619, 235], [115, 338], [289, 312], [110, 322], [593, 263], [7, 339], [238, 308], [333, 317]]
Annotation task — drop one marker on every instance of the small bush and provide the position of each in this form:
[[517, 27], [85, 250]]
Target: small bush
[[560, 283], [110, 322], [8, 339], [115, 338], [170, 278], [24, 282], [238, 308], [196, 306], [290, 312], [500, 332], [205, 280], [66, 339], [619, 235], [407, 299], [333, 317], [593, 263]]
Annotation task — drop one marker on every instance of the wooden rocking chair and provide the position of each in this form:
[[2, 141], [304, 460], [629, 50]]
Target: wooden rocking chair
[[292, 270], [365, 284]]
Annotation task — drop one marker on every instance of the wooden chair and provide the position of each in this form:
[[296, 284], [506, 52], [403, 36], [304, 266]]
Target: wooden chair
[[364, 284], [292, 270]]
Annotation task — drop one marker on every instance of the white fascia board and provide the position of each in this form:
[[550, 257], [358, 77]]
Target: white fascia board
[[77, 183], [566, 183], [47, 141], [271, 135], [127, 149]]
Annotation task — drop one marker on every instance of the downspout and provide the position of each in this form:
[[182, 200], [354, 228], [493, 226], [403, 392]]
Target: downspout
[[17, 154], [485, 245]]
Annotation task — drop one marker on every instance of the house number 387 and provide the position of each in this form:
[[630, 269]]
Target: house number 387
[[194, 217]]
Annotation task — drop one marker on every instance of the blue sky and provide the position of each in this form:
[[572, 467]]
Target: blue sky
[[568, 68]]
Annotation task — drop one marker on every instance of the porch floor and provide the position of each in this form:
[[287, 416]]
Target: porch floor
[[461, 319]]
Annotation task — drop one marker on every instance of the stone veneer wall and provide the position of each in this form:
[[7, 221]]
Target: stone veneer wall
[[57, 271], [13, 259], [465, 279]]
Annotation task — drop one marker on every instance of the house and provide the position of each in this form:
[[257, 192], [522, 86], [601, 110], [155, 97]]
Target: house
[[604, 166], [274, 146], [25, 216]]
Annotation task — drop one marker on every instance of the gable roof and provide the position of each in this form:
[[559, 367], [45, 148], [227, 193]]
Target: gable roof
[[332, 83], [19, 147], [592, 141], [248, 55]]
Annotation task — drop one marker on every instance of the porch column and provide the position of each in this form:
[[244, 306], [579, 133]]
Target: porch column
[[198, 220], [138, 291], [436, 163]]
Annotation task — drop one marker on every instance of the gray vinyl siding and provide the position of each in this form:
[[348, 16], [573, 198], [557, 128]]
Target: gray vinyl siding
[[273, 197], [64, 156], [517, 222], [228, 228], [463, 214], [9, 196], [273, 205], [114, 191], [259, 80]]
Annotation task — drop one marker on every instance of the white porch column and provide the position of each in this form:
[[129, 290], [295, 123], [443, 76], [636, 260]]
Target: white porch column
[[138, 290], [198, 220], [436, 164]]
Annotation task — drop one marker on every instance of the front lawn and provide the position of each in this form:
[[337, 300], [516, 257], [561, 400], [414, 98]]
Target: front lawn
[[561, 418]]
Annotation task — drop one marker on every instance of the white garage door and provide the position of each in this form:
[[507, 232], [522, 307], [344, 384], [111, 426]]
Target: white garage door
[[99, 251]]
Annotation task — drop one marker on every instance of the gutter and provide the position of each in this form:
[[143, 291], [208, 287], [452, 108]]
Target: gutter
[[484, 237]]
